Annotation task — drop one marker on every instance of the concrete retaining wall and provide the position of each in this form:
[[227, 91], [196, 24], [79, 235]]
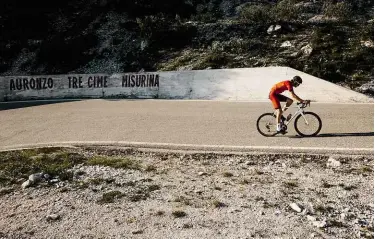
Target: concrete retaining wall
[[224, 84]]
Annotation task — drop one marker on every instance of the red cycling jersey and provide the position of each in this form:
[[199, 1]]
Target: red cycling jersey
[[278, 88], [281, 87]]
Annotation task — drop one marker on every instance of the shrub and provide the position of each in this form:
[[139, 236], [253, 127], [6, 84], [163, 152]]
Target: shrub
[[285, 10], [179, 213], [361, 6], [114, 162], [216, 59], [160, 32], [366, 30], [208, 13], [110, 197], [340, 10], [328, 38], [256, 14], [148, 25]]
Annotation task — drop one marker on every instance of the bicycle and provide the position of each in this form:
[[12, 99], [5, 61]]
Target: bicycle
[[266, 123]]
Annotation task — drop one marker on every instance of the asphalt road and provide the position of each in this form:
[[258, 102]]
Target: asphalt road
[[349, 126]]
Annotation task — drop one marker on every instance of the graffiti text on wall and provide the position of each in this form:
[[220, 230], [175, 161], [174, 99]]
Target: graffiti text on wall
[[76, 82], [140, 80], [31, 83], [92, 82]]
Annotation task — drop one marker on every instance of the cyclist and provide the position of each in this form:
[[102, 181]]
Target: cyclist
[[276, 98]]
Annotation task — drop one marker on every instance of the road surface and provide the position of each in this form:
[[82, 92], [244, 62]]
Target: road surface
[[177, 122]]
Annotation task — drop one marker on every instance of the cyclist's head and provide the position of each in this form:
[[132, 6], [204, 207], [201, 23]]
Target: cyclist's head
[[296, 81]]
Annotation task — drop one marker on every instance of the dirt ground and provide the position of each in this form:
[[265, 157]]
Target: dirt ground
[[194, 195]]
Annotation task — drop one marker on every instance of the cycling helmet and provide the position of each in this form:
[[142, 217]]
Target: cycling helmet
[[297, 79]]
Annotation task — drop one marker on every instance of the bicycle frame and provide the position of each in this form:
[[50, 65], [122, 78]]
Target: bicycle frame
[[300, 111]]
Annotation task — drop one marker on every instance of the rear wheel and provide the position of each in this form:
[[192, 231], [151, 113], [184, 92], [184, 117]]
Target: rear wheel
[[309, 125], [266, 125]]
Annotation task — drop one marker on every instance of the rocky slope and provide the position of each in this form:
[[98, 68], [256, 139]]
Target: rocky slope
[[329, 39], [126, 193]]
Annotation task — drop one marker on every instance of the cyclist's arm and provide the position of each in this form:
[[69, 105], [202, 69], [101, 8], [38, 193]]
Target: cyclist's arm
[[296, 97]]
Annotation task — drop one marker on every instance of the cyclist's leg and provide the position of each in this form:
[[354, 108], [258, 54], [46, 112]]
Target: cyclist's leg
[[277, 107], [283, 98], [289, 102]]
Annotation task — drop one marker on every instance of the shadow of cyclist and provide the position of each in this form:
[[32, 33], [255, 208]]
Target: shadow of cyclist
[[337, 135]]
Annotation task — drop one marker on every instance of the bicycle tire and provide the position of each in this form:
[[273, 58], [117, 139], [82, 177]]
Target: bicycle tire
[[308, 135], [273, 121]]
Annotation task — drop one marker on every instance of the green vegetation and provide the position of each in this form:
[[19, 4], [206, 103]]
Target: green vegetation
[[114, 162], [291, 184], [53, 161], [340, 10], [170, 35], [56, 162], [227, 174], [218, 204], [150, 168], [183, 200], [159, 213], [179, 213], [285, 10], [110, 197]]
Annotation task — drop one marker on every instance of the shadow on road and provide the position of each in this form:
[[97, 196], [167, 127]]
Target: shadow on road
[[16, 105], [337, 135]]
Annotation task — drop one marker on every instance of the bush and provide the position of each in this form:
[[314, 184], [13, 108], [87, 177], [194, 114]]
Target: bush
[[158, 31], [328, 38], [256, 14], [63, 54], [340, 10], [148, 25], [208, 13], [366, 31], [361, 6], [285, 10], [214, 59]]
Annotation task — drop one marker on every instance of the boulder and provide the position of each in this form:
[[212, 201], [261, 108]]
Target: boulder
[[367, 88], [307, 50], [286, 44], [274, 29], [369, 44], [322, 19], [333, 163]]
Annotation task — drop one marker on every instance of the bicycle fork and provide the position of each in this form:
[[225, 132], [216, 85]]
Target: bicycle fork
[[303, 115]]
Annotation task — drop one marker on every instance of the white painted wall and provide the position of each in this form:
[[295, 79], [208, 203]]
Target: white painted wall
[[247, 84]]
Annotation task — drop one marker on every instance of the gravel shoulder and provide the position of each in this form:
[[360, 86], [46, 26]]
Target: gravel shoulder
[[128, 193]]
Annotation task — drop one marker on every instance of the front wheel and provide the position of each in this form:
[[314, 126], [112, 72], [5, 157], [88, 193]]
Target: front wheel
[[266, 125], [309, 124]]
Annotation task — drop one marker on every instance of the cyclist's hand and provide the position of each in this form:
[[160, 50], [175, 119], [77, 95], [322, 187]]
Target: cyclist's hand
[[306, 102]]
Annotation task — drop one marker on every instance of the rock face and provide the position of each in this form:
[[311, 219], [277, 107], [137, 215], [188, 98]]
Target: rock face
[[367, 88], [120, 36]]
